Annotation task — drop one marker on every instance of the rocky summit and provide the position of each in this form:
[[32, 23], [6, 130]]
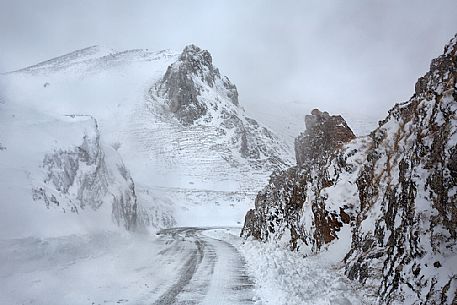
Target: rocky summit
[[387, 203], [187, 78]]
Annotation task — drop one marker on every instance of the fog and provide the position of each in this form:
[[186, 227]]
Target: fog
[[349, 56]]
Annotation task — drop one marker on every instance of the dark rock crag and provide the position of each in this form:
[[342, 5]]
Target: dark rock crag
[[323, 136], [280, 205], [394, 193], [182, 84]]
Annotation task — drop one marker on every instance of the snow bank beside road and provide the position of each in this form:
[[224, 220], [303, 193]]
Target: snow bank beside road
[[284, 277]]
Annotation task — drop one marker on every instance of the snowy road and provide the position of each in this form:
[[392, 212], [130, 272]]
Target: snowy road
[[212, 271], [176, 266]]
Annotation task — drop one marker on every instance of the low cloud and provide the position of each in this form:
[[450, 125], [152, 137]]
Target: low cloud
[[344, 55]]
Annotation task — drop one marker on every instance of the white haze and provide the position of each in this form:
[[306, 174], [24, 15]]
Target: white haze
[[343, 56]]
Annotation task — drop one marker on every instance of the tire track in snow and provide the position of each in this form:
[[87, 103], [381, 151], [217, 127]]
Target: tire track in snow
[[215, 272], [187, 272]]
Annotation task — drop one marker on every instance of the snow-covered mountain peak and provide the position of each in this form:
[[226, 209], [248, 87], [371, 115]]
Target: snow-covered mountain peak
[[200, 64], [196, 94], [193, 88], [197, 56]]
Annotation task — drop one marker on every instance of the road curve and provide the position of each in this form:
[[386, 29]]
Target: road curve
[[209, 271]]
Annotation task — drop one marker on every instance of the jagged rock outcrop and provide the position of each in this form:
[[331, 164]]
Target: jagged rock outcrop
[[387, 202], [85, 177], [197, 95], [280, 206], [185, 81], [324, 135]]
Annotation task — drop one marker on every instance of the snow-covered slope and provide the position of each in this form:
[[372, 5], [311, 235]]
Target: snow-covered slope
[[202, 171], [58, 178]]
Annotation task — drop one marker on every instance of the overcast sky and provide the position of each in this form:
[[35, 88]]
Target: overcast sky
[[345, 55]]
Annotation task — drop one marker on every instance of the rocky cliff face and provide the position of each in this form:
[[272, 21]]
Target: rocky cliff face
[[388, 202], [88, 176], [404, 239]]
